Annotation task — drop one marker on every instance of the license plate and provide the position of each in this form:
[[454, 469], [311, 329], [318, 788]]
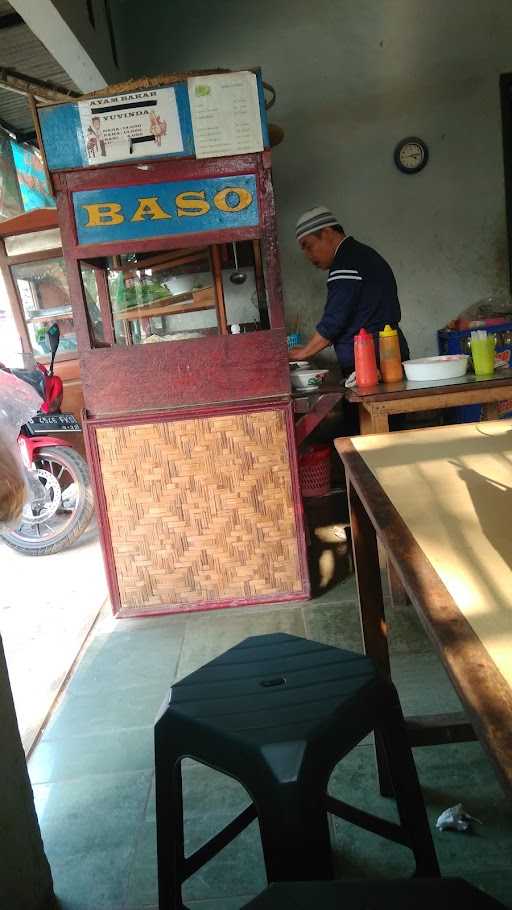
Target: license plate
[[53, 423]]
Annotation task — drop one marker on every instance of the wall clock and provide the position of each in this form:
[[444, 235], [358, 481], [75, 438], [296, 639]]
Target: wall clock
[[411, 155]]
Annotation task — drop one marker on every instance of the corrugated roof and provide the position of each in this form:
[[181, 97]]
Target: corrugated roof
[[22, 51], [6, 8]]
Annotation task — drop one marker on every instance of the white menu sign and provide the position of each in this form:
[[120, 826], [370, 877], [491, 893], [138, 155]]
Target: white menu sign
[[225, 113], [131, 125]]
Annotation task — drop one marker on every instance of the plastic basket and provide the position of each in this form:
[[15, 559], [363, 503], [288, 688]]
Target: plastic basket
[[315, 471], [294, 340]]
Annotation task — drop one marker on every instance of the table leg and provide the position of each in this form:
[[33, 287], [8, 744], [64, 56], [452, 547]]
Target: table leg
[[371, 421], [490, 410], [371, 606]]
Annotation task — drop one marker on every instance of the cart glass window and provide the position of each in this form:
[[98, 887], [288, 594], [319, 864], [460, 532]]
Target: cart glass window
[[33, 242], [44, 294], [174, 295]]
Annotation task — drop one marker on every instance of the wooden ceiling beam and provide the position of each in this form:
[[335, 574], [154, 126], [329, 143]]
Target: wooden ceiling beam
[[28, 85]]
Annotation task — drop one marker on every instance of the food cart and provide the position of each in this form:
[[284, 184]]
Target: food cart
[[170, 245]]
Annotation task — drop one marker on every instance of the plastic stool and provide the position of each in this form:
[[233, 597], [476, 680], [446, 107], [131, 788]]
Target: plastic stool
[[422, 894], [277, 713]]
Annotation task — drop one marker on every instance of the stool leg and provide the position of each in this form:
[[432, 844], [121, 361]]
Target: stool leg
[[169, 831], [295, 836], [408, 795]]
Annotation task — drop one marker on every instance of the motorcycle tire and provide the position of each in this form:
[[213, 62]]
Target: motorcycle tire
[[83, 512]]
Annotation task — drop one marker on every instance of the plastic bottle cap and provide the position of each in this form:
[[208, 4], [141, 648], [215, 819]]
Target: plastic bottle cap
[[362, 334], [387, 332]]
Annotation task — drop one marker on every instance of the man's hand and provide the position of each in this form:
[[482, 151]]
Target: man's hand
[[315, 344], [296, 353]]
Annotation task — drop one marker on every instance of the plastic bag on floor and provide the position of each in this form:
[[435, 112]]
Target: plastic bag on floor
[[456, 819], [18, 403]]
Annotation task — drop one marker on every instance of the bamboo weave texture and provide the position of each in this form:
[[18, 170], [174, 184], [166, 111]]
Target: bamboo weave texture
[[201, 510]]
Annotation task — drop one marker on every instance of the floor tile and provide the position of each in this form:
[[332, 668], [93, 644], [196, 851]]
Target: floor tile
[[344, 590], [423, 685], [334, 624], [208, 635], [142, 889], [92, 880], [131, 657], [405, 632], [448, 775], [236, 870], [205, 790], [95, 810], [462, 773], [108, 752], [85, 714], [93, 770]]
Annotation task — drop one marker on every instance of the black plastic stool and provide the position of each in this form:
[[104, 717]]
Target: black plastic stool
[[422, 894], [277, 713]]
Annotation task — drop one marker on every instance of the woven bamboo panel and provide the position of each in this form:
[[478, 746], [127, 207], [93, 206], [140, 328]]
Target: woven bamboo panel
[[201, 510]]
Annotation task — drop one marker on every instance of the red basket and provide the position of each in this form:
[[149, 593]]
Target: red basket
[[315, 470]]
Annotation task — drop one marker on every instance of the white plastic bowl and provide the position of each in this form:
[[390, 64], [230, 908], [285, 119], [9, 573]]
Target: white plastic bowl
[[424, 369], [308, 379], [299, 365]]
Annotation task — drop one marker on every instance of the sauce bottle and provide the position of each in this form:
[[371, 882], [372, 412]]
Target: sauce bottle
[[364, 357], [390, 356]]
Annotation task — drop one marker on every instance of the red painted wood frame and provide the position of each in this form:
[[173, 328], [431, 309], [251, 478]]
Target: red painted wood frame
[[205, 370], [90, 425]]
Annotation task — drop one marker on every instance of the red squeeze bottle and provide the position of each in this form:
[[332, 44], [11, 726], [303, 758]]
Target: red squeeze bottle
[[364, 356]]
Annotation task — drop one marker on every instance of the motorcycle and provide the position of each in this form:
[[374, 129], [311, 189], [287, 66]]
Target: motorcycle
[[61, 505]]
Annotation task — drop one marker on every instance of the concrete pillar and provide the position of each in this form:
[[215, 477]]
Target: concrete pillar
[[25, 876]]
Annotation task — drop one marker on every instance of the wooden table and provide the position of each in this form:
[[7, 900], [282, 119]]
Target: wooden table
[[376, 404], [440, 503], [312, 407]]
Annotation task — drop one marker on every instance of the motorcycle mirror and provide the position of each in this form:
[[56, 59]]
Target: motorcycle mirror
[[54, 338]]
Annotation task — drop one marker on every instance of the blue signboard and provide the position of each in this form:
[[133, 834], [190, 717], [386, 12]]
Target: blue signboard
[[163, 209], [67, 146]]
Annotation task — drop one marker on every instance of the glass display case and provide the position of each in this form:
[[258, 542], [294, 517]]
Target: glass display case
[[35, 277], [44, 295], [175, 295]]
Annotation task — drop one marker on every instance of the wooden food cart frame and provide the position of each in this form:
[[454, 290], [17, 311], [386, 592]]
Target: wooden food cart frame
[[194, 386]]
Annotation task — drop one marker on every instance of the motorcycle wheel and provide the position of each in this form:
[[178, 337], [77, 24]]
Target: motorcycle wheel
[[67, 508]]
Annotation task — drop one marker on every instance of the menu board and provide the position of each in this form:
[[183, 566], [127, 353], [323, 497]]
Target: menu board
[[131, 125], [225, 113]]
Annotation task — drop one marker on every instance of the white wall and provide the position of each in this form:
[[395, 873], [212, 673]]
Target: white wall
[[353, 77]]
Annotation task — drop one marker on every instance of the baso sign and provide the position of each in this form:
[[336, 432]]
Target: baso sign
[[159, 209]]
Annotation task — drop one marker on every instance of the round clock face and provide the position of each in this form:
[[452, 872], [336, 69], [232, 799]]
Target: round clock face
[[411, 155]]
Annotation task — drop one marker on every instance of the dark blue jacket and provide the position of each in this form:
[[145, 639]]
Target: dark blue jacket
[[361, 293]]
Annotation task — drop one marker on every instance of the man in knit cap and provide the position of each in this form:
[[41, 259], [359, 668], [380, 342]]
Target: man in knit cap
[[361, 289]]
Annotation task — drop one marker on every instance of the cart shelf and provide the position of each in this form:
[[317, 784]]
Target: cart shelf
[[167, 306]]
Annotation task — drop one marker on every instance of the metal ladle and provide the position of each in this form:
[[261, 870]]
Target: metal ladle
[[237, 277]]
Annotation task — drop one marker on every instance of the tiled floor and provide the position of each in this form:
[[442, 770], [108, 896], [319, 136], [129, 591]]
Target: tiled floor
[[35, 626], [93, 769]]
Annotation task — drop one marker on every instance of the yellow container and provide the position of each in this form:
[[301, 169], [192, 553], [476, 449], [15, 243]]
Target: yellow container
[[482, 352], [389, 355]]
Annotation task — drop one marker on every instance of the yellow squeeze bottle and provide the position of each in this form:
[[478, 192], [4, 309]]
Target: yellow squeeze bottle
[[390, 356]]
